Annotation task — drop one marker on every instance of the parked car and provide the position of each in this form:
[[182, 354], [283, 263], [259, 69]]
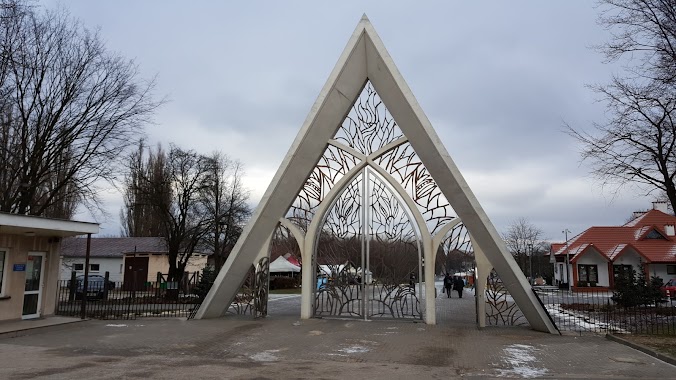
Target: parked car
[[95, 286], [669, 289]]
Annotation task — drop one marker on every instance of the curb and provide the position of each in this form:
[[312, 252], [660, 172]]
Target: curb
[[642, 348], [29, 330]]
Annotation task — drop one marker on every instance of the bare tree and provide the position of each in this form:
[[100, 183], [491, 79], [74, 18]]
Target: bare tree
[[68, 107], [146, 190], [225, 200], [186, 219], [523, 239], [636, 144], [643, 31], [167, 190]]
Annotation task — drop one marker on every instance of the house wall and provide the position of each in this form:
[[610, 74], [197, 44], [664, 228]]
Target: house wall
[[592, 257], [560, 275], [660, 270], [158, 262], [113, 265], [17, 248], [630, 257], [196, 263]]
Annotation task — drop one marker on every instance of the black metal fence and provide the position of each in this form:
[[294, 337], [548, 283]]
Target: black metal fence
[[117, 300], [595, 311]]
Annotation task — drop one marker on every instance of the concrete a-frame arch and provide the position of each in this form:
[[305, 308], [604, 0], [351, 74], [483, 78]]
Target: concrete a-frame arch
[[366, 59]]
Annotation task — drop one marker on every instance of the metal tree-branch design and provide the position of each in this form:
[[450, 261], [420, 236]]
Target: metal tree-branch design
[[243, 302], [331, 168], [501, 308], [252, 297], [338, 292], [393, 255], [390, 251], [260, 291], [369, 126], [405, 166]]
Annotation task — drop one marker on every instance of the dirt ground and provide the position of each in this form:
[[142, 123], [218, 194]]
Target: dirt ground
[[665, 344]]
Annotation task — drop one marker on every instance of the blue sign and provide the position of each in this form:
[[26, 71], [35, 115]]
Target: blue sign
[[19, 267]]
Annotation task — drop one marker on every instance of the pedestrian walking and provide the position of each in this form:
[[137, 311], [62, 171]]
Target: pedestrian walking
[[448, 284], [458, 285]]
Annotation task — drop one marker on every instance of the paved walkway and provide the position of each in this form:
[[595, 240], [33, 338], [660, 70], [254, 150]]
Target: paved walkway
[[284, 347]]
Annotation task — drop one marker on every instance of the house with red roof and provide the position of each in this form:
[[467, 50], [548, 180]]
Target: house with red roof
[[597, 256]]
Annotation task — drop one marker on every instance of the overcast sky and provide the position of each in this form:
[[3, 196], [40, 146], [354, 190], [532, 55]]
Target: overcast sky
[[497, 79]]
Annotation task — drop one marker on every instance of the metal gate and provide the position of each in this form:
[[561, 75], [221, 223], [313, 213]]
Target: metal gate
[[368, 259]]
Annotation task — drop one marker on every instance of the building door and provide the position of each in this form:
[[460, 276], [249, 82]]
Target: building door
[[135, 273], [32, 296]]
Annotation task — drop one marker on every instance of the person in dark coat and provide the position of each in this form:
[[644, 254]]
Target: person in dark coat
[[448, 284], [458, 285]]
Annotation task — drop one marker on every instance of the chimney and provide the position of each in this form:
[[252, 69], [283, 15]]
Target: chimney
[[669, 229], [660, 206]]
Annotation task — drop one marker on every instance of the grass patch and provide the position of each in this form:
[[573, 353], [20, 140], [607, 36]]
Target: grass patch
[[665, 344], [286, 291]]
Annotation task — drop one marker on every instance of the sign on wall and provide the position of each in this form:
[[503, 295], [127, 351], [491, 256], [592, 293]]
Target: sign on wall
[[19, 268]]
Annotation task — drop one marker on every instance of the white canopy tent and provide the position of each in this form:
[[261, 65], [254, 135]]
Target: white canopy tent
[[283, 265]]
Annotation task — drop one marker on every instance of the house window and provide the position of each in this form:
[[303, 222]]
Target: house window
[[653, 234], [587, 273], [671, 269], [622, 271], [3, 269], [94, 267], [78, 266]]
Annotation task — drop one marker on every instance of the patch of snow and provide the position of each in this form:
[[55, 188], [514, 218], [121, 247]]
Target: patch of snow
[[520, 357], [265, 356], [570, 320], [355, 350]]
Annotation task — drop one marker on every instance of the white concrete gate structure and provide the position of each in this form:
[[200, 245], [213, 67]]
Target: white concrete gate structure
[[366, 66]]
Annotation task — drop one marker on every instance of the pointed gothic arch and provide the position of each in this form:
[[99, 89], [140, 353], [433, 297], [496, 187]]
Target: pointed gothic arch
[[363, 60]]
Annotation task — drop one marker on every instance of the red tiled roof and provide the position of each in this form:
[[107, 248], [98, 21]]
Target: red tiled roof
[[112, 247], [612, 242]]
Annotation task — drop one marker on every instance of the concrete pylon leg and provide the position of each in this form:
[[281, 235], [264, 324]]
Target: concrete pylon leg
[[264, 252], [483, 269], [430, 291]]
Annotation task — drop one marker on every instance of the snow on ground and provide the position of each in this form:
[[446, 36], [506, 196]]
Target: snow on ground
[[522, 360]]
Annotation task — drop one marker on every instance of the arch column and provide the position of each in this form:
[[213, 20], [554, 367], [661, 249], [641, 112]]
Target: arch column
[[430, 289], [307, 278], [483, 269]]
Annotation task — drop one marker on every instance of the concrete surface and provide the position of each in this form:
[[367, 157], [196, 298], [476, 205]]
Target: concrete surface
[[283, 346]]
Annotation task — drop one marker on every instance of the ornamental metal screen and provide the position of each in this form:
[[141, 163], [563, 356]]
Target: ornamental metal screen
[[372, 203]]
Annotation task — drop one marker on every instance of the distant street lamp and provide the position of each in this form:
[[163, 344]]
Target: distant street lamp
[[530, 264], [566, 231]]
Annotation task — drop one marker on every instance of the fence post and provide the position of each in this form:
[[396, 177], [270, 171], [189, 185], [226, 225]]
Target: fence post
[[158, 285], [105, 285], [71, 287]]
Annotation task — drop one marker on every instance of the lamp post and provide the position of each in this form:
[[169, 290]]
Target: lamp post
[[566, 232], [530, 263]]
